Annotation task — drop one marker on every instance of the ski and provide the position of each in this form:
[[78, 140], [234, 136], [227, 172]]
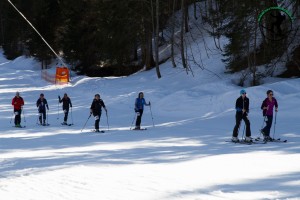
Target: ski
[[43, 124], [141, 129], [248, 143], [240, 142], [100, 131], [66, 124], [272, 140], [19, 126]]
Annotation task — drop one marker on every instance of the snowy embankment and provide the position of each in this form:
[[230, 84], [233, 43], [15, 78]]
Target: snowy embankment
[[184, 156]]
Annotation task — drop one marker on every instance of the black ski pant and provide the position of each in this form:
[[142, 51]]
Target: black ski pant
[[239, 117], [42, 115], [267, 128], [97, 121], [66, 111], [17, 116], [139, 118]]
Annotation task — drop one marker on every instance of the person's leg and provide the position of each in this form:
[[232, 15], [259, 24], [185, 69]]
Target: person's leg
[[238, 118], [44, 117], [66, 115], [268, 125], [40, 116], [18, 117], [97, 120], [248, 129], [138, 119]]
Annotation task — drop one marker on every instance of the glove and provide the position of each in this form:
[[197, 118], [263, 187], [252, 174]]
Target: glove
[[136, 110], [149, 103], [91, 111], [58, 97]]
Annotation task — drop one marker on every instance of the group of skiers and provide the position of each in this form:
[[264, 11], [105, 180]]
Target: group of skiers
[[242, 110], [95, 109], [241, 106]]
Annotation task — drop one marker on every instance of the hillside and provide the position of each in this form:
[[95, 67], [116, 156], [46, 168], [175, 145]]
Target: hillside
[[184, 156]]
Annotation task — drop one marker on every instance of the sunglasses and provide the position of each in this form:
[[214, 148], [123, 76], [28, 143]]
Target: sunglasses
[[244, 93]]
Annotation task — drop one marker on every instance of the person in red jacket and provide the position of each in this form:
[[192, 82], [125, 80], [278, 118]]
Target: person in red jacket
[[18, 104]]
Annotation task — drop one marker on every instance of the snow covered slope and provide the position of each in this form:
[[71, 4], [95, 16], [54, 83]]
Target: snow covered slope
[[184, 156]]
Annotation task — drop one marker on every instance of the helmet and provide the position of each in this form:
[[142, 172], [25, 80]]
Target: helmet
[[243, 91]]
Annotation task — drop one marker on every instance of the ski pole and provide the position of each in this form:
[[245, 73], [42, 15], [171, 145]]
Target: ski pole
[[12, 117], [151, 114], [47, 115], [57, 110], [86, 122], [274, 125], [24, 116], [107, 121], [133, 121], [71, 115], [244, 131], [264, 120]]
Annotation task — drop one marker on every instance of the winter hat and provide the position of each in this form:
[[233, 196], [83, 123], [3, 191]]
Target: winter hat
[[269, 91], [17, 93], [41, 95], [97, 95], [242, 92]]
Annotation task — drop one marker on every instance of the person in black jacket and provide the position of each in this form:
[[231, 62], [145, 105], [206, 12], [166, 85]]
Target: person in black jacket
[[66, 105], [42, 104], [242, 110], [96, 110]]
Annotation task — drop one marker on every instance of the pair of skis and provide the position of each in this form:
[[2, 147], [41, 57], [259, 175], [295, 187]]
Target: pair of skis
[[101, 131]]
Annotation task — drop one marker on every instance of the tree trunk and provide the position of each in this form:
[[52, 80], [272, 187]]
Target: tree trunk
[[149, 60], [182, 36], [156, 41], [172, 35], [186, 16], [195, 10]]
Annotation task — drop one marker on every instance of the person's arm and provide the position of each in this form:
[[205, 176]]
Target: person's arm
[[276, 106], [92, 107], [22, 102], [38, 102], [136, 109], [147, 104], [103, 105], [46, 103], [13, 102], [70, 102]]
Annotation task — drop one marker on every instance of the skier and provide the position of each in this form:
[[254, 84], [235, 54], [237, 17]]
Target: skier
[[242, 110], [139, 108], [18, 104], [66, 105], [268, 106], [96, 110], [42, 104]]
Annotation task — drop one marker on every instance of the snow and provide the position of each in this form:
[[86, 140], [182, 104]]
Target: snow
[[183, 157]]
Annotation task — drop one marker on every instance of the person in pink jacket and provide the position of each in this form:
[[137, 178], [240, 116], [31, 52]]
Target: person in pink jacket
[[268, 106]]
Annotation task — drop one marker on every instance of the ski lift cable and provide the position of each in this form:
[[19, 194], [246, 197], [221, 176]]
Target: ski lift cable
[[37, 33]]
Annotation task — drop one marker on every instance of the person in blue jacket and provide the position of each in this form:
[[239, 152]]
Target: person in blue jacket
[[139, 108]]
